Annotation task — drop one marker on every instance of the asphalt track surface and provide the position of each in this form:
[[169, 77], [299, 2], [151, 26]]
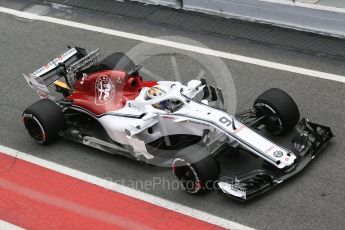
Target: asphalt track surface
[[313, 200]]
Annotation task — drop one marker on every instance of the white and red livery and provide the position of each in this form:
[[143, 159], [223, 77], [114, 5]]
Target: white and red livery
[[107, 105]]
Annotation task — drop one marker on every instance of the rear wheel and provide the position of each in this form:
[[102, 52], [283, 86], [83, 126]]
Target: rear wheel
[[44, 121], [280, 111]]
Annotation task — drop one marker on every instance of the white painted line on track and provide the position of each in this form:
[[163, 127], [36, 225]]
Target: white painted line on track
[[197, 214], [177, 45], [8, 226], [307, 5]]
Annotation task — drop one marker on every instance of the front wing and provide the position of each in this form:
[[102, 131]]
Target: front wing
[[309, 141]]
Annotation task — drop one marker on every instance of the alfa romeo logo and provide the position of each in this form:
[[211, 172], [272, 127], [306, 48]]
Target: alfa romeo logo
[[278, 153], [105, 90]]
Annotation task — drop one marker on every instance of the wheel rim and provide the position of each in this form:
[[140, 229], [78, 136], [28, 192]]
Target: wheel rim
[[274, 124], [187, 175], [34, 128], [272, 121]]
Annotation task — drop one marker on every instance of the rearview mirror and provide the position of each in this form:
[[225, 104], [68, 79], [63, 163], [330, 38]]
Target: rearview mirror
[[193, 84]]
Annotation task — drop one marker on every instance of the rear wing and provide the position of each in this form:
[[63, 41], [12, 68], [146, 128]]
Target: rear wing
[[66, 65], [43, 72]]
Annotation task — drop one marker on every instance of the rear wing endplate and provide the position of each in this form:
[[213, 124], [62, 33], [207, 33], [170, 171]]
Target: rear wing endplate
[[41, 89]]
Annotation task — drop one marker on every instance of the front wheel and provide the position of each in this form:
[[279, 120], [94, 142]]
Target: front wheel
[[196, 170], [280, 111], [44, 120]]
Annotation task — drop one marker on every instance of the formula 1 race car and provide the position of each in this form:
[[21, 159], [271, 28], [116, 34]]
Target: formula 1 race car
[[107, 105]]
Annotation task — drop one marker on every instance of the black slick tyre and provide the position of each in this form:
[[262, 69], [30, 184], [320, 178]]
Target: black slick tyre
[[44, 121], [196, 170], [280, 110]]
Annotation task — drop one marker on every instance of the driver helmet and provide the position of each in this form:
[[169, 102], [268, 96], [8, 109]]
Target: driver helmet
[[154, 92]]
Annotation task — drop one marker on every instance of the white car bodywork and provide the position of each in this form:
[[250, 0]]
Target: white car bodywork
[[192, 118]]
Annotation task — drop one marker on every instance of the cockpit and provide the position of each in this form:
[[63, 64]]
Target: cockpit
[[163, 96]]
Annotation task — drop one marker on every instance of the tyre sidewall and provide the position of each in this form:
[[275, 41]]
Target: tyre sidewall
[[49, 116], [205, 169]]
